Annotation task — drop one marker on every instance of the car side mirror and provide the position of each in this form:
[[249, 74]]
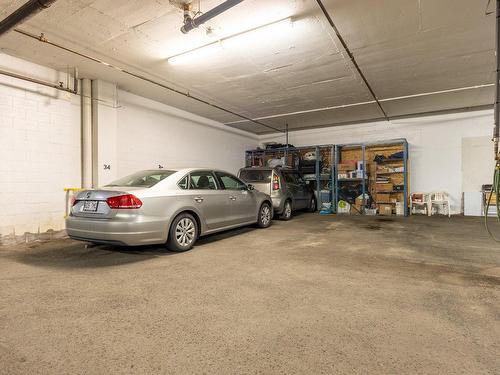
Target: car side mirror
[[250, 187]]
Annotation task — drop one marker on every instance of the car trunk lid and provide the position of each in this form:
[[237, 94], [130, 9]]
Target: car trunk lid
[[93, 204]]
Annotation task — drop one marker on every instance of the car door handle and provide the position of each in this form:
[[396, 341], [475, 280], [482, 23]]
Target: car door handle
[[232, 197], [198, 199]]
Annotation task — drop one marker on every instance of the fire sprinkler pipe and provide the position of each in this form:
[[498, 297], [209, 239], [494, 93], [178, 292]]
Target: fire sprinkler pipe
[[192, 23], [23, 13], [496, 131]]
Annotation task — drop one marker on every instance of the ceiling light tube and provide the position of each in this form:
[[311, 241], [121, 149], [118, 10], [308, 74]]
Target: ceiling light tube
[[209, 48]]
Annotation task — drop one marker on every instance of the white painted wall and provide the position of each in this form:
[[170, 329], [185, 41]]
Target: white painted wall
[[151, 134], [435, 144], [39, 149]]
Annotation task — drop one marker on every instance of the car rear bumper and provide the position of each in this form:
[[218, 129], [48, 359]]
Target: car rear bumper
[[116, 232], [278, 204]]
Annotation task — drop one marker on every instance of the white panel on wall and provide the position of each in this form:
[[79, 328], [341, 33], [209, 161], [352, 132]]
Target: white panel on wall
[[477, 162], [39, 149]]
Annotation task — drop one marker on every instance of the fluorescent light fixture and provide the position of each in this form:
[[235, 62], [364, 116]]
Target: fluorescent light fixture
[[242, 39]]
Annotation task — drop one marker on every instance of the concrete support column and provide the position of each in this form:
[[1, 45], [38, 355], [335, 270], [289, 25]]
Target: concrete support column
[[86, 120], [105, 128]]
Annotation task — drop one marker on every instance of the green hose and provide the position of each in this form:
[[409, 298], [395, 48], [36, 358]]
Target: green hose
[[495, 189]]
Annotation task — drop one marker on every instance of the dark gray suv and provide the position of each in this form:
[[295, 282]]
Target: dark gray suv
[[286, 186]]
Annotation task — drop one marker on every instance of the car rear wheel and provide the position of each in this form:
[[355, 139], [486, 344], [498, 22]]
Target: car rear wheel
[[287, 211], [265, 215], [183, 233]]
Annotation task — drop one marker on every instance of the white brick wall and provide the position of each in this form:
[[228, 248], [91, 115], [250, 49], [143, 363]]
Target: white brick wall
[[39, 149], [151, 133]]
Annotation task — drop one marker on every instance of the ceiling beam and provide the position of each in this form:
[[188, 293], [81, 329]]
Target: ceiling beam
[[351, 57]]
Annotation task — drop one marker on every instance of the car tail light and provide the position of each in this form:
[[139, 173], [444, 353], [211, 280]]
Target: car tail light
[[73, 201], [276, 182], [124, 201]]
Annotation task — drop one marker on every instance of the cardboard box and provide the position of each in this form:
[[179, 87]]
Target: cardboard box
[[385, 187], [346, 166], [385, 209], [493, 198], [356, 210], [382, 198]]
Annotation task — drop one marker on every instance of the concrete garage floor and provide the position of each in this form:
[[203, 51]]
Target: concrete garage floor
[[313, 295]]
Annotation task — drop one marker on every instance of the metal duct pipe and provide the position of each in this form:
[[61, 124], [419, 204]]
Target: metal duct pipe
[[496, 131], [23, 13], [191, 23]]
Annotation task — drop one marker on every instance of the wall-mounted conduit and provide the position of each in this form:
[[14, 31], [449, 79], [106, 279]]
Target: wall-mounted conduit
[[59, 86]]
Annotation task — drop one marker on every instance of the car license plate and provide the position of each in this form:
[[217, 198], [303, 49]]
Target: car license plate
[[90, 206]]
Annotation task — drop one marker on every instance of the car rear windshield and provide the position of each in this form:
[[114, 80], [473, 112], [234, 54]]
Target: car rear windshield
[[252, 175], [142, 179]]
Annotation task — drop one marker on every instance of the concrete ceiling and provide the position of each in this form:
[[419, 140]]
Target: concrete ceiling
[[293, 72]]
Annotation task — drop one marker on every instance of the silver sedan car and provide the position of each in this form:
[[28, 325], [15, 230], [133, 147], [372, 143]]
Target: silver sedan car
[[175, 207]]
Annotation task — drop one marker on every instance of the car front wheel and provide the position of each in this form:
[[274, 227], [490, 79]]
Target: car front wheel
[[183, 233], [265, 215]]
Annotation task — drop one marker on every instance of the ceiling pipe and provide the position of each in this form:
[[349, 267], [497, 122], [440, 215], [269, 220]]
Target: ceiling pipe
[[351, 57], [43, 39], [23, 13], [192, 23]]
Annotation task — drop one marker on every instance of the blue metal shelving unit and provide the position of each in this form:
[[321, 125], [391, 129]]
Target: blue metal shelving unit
[[335, 155]]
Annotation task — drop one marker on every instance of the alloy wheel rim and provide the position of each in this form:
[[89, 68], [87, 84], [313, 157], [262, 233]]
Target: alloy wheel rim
[[288, 210], [185, 232], [265, 215], [313, 204]]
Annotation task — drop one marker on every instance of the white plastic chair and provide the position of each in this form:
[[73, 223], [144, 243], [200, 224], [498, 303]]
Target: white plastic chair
[[440, 202], [420, 202]]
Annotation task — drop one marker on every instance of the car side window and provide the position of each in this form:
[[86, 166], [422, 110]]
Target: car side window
[[183, 184], [299, 179], [202, 180], [288, 177], [230, 182]]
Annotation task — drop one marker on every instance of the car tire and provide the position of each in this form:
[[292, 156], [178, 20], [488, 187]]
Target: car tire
[[312, 205], [265, 215], [287, 211], [183, 233]]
